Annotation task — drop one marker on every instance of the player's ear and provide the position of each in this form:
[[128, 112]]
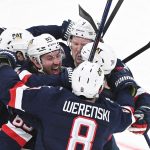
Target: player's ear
[[35, 62]]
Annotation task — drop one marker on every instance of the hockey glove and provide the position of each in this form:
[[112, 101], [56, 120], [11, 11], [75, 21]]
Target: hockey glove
[[66, 29], [8, 58], [121, 79], [66, 76], [142, 116]]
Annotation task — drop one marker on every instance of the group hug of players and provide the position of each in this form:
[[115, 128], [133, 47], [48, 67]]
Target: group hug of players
[[53, 98]]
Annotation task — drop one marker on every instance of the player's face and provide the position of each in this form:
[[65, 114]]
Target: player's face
[[20, 56], [52, 62], [76, 45]]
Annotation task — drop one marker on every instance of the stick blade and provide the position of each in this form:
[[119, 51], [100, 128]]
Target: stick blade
[[87, 17]]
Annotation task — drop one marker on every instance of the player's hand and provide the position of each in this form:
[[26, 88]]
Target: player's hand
[[121, 78], [66, 76], [8, 58], [66, 29], [142, 123]]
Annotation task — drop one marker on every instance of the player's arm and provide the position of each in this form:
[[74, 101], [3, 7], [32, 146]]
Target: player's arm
[[33, 80], [8, 58], [33, 100], [59, 32], [16, 94], [142, 98], [124, 98], [122, 116], [125, 118], [142, 112], [8, 77]]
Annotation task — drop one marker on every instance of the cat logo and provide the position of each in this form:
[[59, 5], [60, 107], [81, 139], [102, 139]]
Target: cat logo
[[17, 36], [98, 50], [99, 72]]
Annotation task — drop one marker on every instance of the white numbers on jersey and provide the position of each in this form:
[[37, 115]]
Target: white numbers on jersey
[[18, 122], [85, 140]]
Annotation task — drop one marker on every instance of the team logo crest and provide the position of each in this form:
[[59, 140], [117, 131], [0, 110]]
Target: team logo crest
[[99, 72], [98, 50], [17, 36]]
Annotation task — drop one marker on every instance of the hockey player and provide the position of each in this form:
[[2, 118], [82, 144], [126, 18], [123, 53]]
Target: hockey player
[[45, 59], [78, 35], [63, 32], [87, 125], [120, 71], [72, 33], [17, 40], [46, 56], [105, 57]]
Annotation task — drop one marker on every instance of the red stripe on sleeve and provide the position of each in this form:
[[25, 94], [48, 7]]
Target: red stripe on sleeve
[[13, 94], [25, 78], [13, 135]]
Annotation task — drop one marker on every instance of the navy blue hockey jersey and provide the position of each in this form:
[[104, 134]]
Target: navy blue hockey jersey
[[68, 122]]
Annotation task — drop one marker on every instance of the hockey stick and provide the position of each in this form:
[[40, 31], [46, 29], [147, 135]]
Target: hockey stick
[[141, 50], [147, 139], [87, 17], [111, 17], [133, 55], [100, 30]]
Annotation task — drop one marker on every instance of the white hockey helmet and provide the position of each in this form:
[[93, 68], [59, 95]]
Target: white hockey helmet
[[87, 80], [83, 29], [104, 56], [43, 44], [15, 39]]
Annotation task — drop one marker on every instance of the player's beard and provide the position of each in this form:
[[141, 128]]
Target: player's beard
[[78, 59], [53, 70]]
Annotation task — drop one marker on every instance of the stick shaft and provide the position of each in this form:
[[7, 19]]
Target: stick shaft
[[112, 16], [101, 27], [133, 55]]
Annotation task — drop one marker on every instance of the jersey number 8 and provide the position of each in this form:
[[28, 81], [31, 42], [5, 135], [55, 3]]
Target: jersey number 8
[[76, 138]]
